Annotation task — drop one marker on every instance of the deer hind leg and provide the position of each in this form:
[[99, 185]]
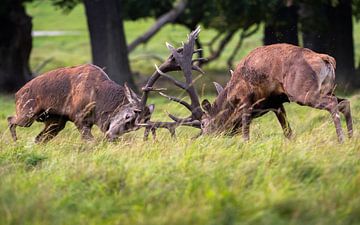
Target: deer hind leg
[[22, 121], [52, 127], [281, 116], [329, 103], [344, 108]]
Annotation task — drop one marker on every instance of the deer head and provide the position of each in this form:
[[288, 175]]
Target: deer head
[[219, 116], [204, 116], [125, 117], [136, 113]]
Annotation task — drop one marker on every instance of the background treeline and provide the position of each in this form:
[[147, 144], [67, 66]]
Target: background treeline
[[324, 25]]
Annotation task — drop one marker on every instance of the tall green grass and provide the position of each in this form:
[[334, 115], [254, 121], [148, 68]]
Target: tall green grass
[[211, 180]]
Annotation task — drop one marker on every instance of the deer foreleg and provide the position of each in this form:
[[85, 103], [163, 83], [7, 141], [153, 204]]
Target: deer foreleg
[[281, 116], [12, 127], [246, 119]]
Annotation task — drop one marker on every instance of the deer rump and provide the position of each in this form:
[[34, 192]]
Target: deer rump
[[268, 77]]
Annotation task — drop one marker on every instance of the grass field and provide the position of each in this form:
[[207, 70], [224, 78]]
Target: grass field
[[212, 180]]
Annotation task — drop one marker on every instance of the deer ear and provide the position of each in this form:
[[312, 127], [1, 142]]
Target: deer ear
[[218, 87], [151, 108], [131, 95], [145, 115], [206, 105]]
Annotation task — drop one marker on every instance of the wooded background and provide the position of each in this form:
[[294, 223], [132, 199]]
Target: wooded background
[[325, 26]]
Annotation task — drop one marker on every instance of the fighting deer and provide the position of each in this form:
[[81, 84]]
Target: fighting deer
[[265, 79], [270, 76], [85, 96]]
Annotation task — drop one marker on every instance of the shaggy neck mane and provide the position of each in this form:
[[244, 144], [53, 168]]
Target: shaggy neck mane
[[224, 114]]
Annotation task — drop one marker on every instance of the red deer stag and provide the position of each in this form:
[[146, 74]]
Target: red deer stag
[[85, 96], [270, 76], [82, 94]]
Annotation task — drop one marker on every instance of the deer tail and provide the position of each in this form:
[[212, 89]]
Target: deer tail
[[327, 83], [328, 59]]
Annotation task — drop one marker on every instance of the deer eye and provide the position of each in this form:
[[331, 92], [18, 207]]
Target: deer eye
[[127, 116]]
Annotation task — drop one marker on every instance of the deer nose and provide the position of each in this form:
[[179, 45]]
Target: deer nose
[[110, 136]]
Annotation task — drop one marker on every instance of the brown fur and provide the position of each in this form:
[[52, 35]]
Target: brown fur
[[82, 94], [270, 76]]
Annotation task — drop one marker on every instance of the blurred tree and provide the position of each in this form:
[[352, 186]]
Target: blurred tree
[[108, 42], [282, 25], [327, 27], [167, 17], [107, 36], [15, 45], [228, 17]]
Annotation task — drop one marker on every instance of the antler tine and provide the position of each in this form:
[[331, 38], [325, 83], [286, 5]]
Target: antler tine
[[189, 47], [199, 60], [231, 72], [198, 50], [197, 68], [153, 89], [166, 66], [179, 120], [195, 123], [171, 126], [174, 51], [175, 99], [176, 82]]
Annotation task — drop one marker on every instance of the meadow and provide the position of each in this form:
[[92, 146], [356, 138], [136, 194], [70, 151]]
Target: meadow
[[311, 179]]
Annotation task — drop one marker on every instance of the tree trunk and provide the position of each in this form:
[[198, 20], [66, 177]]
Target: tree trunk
[[108, 42], [332, 34], [315, 29], [342, 43], [15, 46], [283, 28]]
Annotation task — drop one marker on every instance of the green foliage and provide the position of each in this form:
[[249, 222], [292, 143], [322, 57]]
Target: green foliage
[[356, 9], [66, 5], [218, 14], [134, 10], [69, 50]]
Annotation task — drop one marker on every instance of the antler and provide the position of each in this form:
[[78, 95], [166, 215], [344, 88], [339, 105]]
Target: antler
[[171, 126], [180, 59]]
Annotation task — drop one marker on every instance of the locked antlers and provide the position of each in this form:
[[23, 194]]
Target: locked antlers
[[180, 59]]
